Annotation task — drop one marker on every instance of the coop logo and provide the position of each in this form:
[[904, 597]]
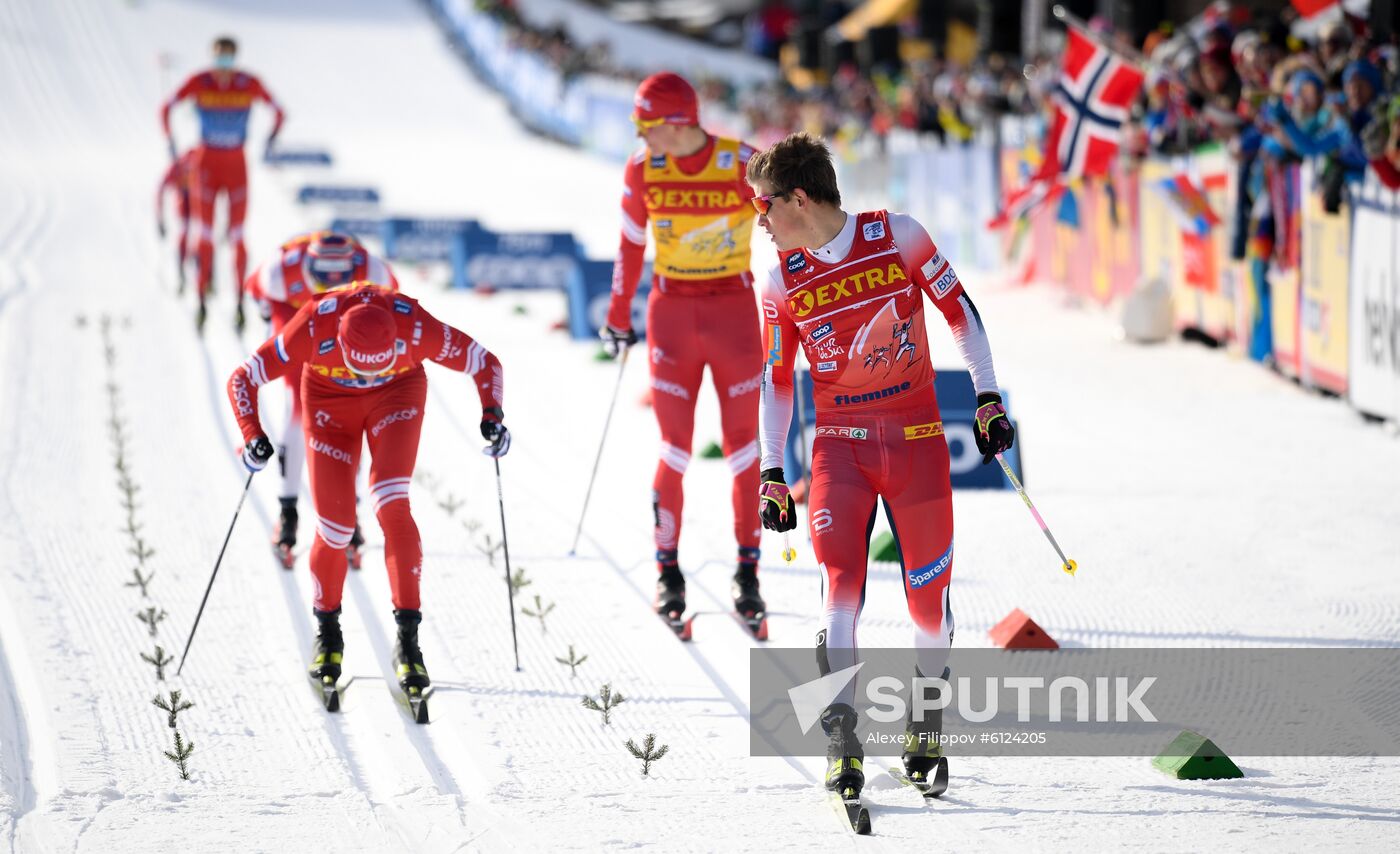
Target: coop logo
[[821, 332], [843, 432], [326, 346], [745, 387], [873, 230], [851, 399], [725, 160], [923, 431], [402, 306], [392, 418], [928, 572], [327, 306], [331, 451], [805, 301], [821, 521], [796, 261]]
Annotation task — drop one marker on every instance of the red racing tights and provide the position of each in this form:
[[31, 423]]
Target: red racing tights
[[337, 424], [219, 170], [900, 456], [684, 334]]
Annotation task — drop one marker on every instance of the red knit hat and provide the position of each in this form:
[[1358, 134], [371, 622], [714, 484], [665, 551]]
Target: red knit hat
[[367, 339], [666, 96]]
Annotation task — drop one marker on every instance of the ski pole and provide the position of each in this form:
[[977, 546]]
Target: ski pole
[[505, 548], [215, 573], [621, 366], [789, 553], [1066, 564]]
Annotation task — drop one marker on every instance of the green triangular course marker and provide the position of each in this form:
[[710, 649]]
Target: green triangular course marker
[[883, 549], [712, 452], [1192, 756], [602, 356]]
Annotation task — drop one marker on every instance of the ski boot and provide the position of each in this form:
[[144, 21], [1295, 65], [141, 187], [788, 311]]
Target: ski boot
[[354, 551], [748, 602], [199, 317], [845, 776], [670, 593], [327, 651], [844, 754], [286, 533], [408, 663], [239, 321], [925, 766]]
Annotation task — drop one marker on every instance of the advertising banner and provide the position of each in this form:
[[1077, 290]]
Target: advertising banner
[[1374, 366], [1326, 264]]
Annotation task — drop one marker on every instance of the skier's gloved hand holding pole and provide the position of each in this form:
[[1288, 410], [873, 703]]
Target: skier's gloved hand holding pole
[[257, 453], [617, 340], [493, 431], [776, 507], [994, 431]]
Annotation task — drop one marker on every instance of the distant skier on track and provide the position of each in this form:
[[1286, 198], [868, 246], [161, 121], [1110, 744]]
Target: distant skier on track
[[223, 96], [702, 311], [360, 354], [860, 281], [178, 179], [307, 265]]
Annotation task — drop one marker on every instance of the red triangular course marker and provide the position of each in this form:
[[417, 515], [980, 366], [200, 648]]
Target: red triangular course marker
[[1018, 631]]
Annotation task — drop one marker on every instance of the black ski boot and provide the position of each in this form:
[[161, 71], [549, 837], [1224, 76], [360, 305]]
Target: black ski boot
[[924, 763], [199, 318], [845, 756], [748, 602], [354, 553], [747, 599], [286, 533], [327, 650], [239, 320], [408, 658], [670, 585]]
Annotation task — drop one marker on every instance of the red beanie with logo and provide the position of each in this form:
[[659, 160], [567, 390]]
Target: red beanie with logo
[[367, 339], [667, 96]]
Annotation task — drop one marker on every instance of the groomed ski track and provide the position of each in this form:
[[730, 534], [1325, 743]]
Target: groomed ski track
[[1208, 503]]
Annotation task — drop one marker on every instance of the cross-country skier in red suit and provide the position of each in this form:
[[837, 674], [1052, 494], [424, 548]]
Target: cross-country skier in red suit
[[360, 354], [702, 311], [223, 97], [850, 288], [178, 179], [307, 265]]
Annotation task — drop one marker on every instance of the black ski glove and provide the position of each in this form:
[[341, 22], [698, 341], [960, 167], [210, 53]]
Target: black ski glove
[[617, 340], [493, 431], [256, 453], [994, 431], [776, 507]]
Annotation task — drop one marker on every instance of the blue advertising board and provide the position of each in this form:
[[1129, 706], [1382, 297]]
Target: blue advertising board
[[410, 239], [298, 157], [361, 228], [314, 194], [588, 300], [957, 405], [520, 260]]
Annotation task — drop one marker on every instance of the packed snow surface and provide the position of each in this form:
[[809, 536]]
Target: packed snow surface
[[1208, 503]]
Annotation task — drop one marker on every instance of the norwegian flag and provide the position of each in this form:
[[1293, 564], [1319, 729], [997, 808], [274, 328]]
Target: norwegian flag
[[1096, 89]]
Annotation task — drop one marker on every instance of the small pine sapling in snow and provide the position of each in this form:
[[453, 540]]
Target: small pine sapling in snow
[[518, 581], [541, 611], [172, 707], [648, 752], [180, 754], [158, 660], [572, 662], [139, 581], [605, 703], [151, 618], [489, 547], [451, 504]]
